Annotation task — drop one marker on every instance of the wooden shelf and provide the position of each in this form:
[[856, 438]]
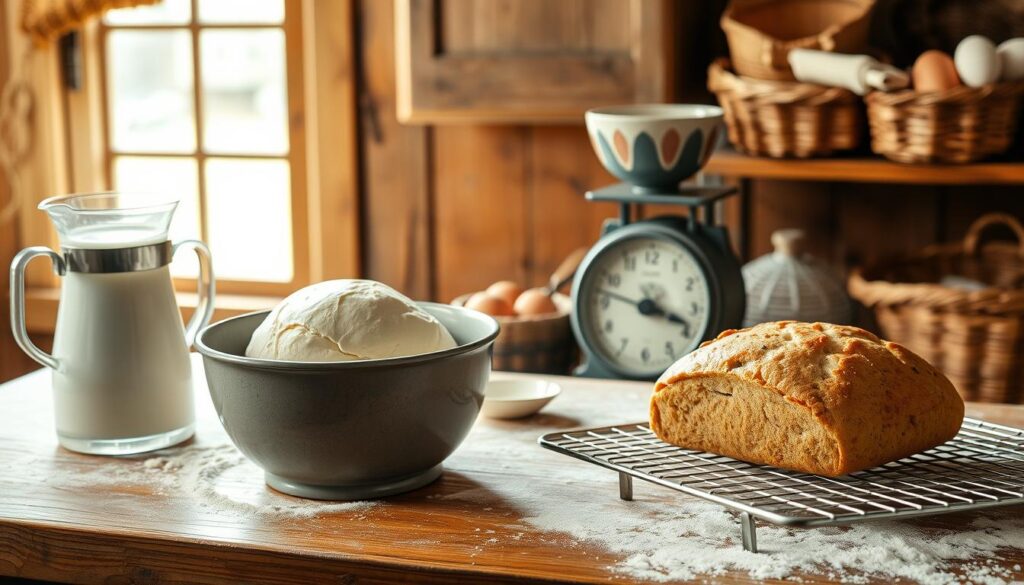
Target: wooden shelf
[[864, 170]]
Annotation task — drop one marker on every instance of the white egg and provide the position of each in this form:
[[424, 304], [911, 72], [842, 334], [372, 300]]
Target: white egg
[[1011, 58], [976, 61]]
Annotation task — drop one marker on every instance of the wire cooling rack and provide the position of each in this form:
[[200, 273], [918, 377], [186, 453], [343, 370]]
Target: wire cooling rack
[[983, 466]]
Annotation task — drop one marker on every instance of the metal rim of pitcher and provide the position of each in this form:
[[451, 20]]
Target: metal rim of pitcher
[[105, 261], [157, 201]]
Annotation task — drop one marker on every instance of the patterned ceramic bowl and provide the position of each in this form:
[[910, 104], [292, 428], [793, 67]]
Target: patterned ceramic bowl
[[654, 147]]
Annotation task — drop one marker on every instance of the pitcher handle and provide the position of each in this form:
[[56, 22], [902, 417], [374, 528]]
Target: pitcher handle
[[18, 327], [207, 289]]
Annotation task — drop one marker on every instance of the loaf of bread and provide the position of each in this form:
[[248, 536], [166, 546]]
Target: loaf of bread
[[813, 397]]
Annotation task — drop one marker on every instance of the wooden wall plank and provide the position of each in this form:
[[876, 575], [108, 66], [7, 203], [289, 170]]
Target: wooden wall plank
[[563, 168], [964, 205], [45, 171], [332, 157], [469, 26], [788, 204], [395, 165], [482, 233], [8, 239], [878, 221], [732, 213], [13, 361]]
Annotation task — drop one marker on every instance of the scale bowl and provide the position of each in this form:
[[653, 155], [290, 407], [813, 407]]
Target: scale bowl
[[656, 146], [349, 430]]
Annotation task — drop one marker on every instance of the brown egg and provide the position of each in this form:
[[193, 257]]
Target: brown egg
[[492, 305], [934, 71], [505, 289], [535, 301]]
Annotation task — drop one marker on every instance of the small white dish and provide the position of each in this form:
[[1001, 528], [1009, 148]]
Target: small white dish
[[517, 398]]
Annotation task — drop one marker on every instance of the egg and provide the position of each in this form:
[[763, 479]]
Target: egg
[[492, 305], [1011, 59], [505, 289], [535, 301], [976, 61], [934, 71]]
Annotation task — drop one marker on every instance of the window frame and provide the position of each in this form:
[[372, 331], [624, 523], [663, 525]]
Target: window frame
[[73, 155], [295, 156]]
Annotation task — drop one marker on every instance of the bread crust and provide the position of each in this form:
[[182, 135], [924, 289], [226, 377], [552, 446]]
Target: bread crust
[[813, 397]]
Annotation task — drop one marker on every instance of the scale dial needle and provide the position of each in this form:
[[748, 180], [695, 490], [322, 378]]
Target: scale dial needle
[[647, 307]]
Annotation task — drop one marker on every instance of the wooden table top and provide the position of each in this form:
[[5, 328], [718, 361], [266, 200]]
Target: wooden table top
[[201, 513]]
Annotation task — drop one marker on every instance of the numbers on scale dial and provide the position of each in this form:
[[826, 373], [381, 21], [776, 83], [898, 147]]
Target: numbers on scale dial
[[647, 304]]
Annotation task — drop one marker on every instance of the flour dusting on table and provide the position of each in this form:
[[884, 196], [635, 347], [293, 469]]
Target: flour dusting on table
[[687, 538], [666, 536], [226, 480], [220, 477]]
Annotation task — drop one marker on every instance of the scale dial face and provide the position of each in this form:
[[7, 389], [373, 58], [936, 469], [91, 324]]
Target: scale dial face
[[644, 303]]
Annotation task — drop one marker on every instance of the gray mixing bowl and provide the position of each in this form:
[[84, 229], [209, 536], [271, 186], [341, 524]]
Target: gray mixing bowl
[[349, 430]]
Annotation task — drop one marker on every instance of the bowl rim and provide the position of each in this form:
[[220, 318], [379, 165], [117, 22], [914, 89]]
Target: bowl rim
[[656, 112], [291, 365]]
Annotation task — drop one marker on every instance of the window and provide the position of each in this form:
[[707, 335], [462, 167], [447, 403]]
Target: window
[[204, 99], [264, 159]]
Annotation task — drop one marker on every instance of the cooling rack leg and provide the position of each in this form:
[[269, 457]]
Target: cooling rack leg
[[749, 532], [626, 487]]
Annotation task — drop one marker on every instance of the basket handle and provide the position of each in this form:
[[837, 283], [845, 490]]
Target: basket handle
[[990, 219], [772, 55], [776, 55], [826, 40]]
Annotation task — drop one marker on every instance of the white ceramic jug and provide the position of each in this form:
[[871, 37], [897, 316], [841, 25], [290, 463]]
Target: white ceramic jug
[[122, 380]]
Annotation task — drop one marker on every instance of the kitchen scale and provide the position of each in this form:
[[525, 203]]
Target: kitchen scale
[[650, 291]]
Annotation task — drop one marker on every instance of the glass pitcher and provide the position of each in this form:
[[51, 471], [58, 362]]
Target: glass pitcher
[[122, 380]]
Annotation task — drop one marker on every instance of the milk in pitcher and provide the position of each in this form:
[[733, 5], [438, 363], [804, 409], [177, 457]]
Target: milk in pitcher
[[122, 378]]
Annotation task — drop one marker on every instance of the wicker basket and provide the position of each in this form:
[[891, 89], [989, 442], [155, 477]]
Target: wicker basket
[[541, 344], [976, 337], [762, 32], [963, 124], [786, 118]]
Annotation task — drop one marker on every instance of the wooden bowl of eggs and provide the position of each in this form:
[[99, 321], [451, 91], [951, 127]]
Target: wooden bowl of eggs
[[535, 332]]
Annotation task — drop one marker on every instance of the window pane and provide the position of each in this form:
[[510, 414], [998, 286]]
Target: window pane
[[245, 103], [166, 12], [248, 205], [177, 177], [150, 86], [241, 11]]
